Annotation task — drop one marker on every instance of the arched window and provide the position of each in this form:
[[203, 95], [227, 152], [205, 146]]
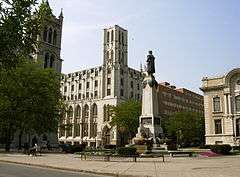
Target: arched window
[[78, 112], [46, 60], [51, 61], [216, 104], [112, 36], [93, 121], [70, 112], [50, 35], [77, 120], [45, 34], [85, 120], [94, 112], [237, 103], [54, 37]]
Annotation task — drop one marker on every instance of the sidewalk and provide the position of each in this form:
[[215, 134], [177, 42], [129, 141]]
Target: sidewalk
[[224, 166]]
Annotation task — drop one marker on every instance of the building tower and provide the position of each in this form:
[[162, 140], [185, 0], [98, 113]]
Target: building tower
[[49, 41], [115, 61]]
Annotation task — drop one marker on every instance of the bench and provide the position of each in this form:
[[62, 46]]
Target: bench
[[106, 157], [172, 153]]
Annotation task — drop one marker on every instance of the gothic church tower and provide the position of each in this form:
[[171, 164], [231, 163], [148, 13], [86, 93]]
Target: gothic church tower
[[49, 41]]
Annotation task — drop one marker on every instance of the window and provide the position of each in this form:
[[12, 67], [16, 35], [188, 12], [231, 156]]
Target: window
[[79, 86], [54, 37], [216, 104], [131, 84], [96, 73], [87, 85], [238, 127], [108, 81], [95, 94], [46, 60], [96, 83], [121, 92], [112, 36], [72, 88], [121, 82], [237, 103], [51, 61], [65, 88], [50, 35], [108, 36], [218, 126], [108, 92]]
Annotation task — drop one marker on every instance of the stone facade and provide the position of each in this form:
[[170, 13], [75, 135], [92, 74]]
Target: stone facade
[[89, 92], [49, 43], [222, 108]]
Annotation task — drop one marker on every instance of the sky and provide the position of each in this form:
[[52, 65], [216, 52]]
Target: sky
[[190, 39]]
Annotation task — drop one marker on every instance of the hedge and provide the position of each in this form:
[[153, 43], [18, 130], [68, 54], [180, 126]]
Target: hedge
[[221, 149]]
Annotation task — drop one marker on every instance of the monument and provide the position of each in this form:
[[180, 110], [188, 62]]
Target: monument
[[150, 121]]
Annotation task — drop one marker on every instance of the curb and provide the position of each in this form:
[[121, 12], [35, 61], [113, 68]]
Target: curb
[[69, 169]]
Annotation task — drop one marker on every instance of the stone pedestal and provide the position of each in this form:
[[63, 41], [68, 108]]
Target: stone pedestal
[[150, 121]]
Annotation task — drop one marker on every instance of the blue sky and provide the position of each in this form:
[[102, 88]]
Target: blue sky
[[190, 39]]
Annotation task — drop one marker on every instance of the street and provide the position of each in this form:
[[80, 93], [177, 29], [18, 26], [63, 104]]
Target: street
[[12, 170]]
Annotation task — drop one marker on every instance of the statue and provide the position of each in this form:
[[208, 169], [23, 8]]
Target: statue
[[150, 63]]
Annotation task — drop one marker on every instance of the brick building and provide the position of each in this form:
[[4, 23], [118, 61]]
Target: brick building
[[172, 99]]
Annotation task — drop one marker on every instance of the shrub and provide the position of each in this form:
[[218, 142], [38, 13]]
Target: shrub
[[127, 151], [221, 149], [110, 146], [172, 146]]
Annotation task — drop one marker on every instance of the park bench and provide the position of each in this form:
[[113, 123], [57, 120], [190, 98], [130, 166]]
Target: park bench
[[172, 153]]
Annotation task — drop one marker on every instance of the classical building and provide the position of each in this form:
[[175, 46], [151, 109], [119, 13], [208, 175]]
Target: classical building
[[89, 92], [222, 108], [172, 99]]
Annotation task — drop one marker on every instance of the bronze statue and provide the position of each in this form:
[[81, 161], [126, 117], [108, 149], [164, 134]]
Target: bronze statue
[[150, 63]]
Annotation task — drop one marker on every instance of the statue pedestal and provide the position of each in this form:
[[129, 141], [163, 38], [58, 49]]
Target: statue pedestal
[[150, 121]]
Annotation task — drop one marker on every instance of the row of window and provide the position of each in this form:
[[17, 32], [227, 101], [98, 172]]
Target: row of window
[[50, 36], [217, 104], [96, 85]]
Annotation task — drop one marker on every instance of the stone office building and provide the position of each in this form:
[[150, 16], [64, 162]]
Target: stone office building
[[89, 92], [222, 108]]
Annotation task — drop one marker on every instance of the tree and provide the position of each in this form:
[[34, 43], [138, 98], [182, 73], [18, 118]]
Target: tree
[[30, 98], [125, 117], [20, 23], [186, 128]]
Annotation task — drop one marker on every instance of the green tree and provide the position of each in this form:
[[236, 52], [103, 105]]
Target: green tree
[[30, 101], [30, 98], [187, 128], [125, 117]]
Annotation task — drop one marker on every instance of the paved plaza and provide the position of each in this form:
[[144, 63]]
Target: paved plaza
[[222, 166]]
